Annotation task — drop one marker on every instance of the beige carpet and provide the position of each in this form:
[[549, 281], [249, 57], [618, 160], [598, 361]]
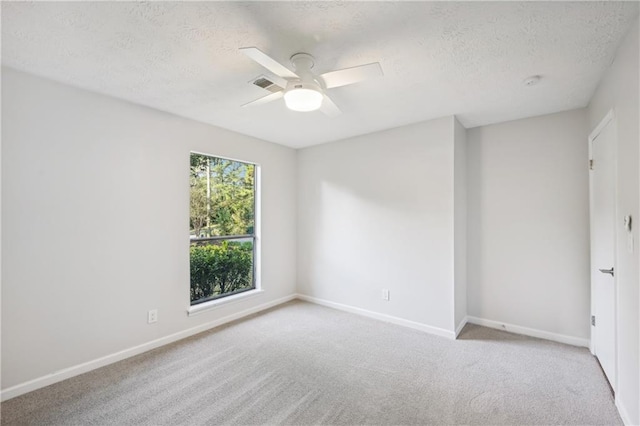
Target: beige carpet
[[305, 364]]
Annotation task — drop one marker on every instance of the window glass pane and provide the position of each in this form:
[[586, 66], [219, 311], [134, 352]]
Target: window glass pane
[[221, 268], [222, 197], [222, 207]]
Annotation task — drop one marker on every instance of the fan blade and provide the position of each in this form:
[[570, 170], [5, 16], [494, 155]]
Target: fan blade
[[265, 99], [351, 75], [268, 62], [279, 81], [329, 108]]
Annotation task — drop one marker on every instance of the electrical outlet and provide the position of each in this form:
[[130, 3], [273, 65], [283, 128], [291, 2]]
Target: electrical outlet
[[152, 316], [385, 294]]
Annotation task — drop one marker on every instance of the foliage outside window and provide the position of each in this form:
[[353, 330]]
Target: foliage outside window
[[221, 226]]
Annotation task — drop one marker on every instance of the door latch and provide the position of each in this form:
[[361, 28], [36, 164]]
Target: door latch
[[607, 271]]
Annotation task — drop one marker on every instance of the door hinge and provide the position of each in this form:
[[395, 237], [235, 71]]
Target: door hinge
[[590, 164], [593, 320]]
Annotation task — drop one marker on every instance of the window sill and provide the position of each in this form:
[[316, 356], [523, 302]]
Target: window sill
[[208, 306]]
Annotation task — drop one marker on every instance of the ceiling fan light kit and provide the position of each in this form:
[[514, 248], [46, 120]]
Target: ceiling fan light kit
[[305, 91], [303, 97]]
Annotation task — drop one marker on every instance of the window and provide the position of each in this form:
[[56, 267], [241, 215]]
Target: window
[[222, 227]]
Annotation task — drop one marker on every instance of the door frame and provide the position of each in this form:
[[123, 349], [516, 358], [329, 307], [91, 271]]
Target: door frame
[[609, 118]]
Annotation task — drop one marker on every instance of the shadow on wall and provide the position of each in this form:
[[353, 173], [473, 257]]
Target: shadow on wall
[[349, 231], [360, 234], [475, 230], [371, 236]]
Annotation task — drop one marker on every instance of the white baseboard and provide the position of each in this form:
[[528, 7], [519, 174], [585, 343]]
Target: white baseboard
[[532, 332], [460, 326], [383, 317], [76, 370], [624, 414]]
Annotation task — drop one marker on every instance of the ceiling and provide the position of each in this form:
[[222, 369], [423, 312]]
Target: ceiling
[[440, 58]]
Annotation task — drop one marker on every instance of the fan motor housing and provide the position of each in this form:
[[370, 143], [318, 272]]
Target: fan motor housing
[[302, 61], [299, 84]]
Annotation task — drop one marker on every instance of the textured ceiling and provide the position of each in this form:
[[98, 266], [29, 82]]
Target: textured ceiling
[[443, 58]]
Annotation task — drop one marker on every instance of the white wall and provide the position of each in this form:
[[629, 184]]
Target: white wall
[[460, 223], [619, 90], [95, 224], [528, 236], [375, 212]]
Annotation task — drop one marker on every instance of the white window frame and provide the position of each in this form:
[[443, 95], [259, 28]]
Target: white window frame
[[257, 247]]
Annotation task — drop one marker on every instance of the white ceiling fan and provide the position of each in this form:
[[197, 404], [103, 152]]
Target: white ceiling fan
[[303, 90]]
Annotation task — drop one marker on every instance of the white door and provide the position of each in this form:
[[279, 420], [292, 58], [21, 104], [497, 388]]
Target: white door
[[603, 283]]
